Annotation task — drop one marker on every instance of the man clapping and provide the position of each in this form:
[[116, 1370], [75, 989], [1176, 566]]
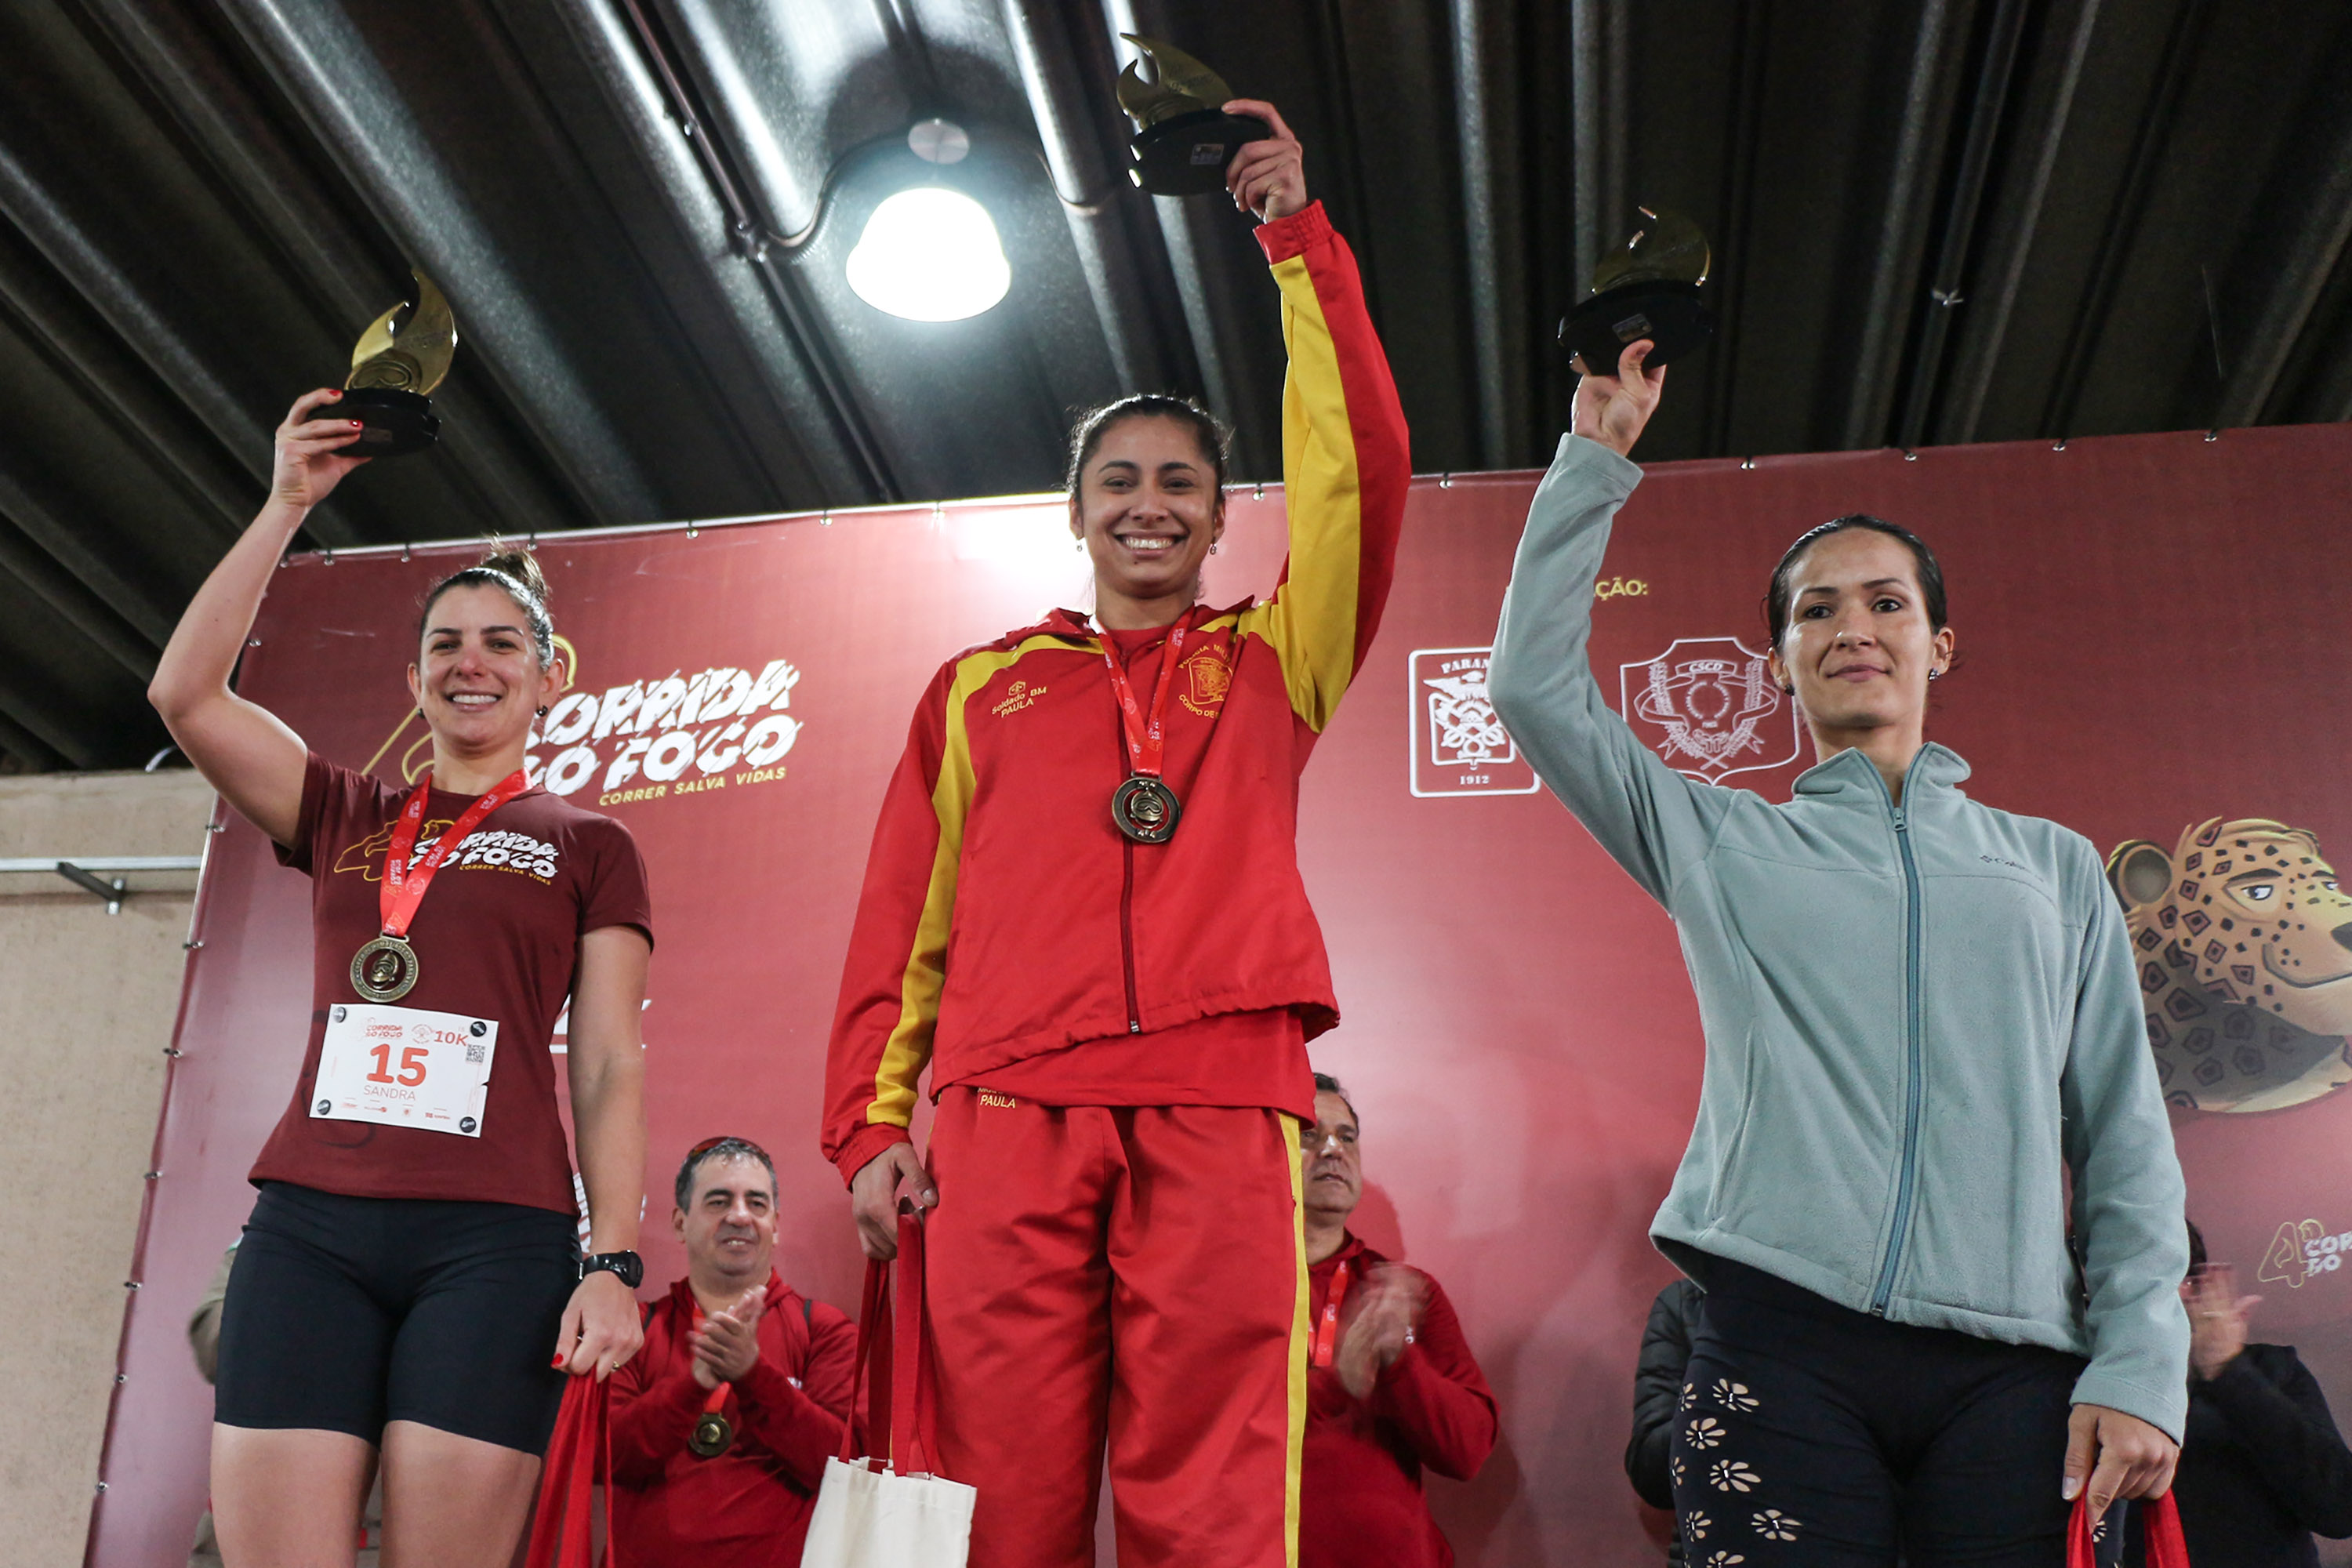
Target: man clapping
[[722, 1423]]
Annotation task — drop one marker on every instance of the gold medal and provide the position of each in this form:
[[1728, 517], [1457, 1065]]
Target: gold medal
[[713, 1436], [385, 970]]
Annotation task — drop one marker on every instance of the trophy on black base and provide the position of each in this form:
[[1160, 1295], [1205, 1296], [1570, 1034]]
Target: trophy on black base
[[399, 359], [1184, 137], [1648, 289]]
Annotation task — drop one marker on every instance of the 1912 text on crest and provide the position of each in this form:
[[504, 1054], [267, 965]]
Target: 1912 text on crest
[[1458, 745]]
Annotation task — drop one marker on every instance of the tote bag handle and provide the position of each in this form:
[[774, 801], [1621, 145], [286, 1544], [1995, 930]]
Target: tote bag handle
[[897, 1337], [2159, 1523], [560, 1528], [913, 1390]]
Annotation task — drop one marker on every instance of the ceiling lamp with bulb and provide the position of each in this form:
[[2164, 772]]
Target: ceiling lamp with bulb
[[930, 253]]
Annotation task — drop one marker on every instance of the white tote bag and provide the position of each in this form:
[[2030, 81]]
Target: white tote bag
[[890, 1511]]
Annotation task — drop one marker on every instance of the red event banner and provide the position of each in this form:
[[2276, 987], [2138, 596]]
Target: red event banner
[[2150, 651]]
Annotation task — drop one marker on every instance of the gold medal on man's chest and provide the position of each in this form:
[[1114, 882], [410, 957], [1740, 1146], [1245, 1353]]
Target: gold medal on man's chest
[[713, 1436]]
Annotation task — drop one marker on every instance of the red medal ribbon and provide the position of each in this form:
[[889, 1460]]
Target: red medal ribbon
[[404, 889], [1146, 739], [1326, 1331]]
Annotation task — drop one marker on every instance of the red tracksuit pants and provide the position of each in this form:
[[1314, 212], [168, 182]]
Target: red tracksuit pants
[[1129, 1274]]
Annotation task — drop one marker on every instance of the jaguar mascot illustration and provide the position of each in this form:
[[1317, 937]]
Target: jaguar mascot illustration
[[2245, 947]]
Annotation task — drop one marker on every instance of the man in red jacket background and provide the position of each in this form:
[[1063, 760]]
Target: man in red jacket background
[[721, 1424], [1391, 1386]]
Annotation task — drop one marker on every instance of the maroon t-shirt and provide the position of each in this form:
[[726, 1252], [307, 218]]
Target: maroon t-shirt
[[498, 936]]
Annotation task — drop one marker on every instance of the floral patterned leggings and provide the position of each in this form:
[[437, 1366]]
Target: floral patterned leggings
[[1812, 1436]]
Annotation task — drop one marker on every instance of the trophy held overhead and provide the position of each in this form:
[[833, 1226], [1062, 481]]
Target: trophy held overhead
[[402, 355], [1649, 288], [1184, 137]]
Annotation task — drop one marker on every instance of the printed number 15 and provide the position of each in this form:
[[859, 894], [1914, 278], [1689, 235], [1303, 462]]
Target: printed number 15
[[412, 1065]]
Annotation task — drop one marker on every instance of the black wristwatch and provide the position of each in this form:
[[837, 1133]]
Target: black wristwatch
[[627, 1265]]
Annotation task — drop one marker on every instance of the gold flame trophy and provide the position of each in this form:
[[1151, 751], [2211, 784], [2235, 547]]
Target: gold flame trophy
[[1649, 288], [401, 358], [1184, 137]]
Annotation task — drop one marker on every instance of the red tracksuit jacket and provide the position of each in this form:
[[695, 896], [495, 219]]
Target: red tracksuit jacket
[[1360, 1496], [1003, 917], [750, 1507]]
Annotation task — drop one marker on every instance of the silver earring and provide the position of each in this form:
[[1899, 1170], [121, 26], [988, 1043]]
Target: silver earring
[[1212, 549], [1933, 673], [1079, 546], [542, 712]]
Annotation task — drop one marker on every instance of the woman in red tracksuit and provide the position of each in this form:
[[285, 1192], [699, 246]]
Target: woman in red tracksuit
[[1083, 910]]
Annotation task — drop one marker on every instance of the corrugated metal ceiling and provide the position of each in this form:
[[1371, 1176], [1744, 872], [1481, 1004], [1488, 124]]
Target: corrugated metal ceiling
[[1934, 221]]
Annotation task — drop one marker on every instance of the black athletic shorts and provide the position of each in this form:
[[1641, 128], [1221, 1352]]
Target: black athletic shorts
[[345, 1313]]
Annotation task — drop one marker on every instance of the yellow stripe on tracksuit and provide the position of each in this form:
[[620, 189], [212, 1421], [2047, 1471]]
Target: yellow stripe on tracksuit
[[909, 1045], [1310, 622]]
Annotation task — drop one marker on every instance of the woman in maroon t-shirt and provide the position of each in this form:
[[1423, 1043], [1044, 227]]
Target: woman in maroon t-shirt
[[411, 1260]]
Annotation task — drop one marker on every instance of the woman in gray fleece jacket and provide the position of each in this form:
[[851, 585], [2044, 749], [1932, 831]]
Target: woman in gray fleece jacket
[[1925, 1059]]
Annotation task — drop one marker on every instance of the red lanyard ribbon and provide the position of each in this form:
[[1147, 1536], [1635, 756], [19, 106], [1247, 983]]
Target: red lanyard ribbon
[[404, 889], [1146, 739], [718, 1395], [1326, 1331]]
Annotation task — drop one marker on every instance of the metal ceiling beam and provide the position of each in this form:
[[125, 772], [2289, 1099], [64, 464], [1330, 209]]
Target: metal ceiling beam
[[1910, 187], [122, 367], [1948, 280], [1095, 199], [2118, 237], [733, 252], [1586, 71], [71, 549], [73, 743], [751, 231], [29, 748], [321, 61], [1746, 135], [113, 295], [2298, 272], [279, 193], [1992, 301], [1490, 231], [76, 605]]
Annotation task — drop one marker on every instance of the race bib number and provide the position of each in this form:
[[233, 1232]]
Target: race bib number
[[405, 1067]]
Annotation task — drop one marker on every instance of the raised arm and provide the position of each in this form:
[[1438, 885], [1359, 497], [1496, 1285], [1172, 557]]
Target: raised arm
[[243, 750], [1347, 457], [1650, 820]]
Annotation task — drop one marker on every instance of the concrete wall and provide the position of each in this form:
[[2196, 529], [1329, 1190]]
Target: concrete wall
[[87, 1001]]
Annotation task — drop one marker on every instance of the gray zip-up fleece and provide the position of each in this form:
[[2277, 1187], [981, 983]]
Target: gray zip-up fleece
[[1922, 1022]]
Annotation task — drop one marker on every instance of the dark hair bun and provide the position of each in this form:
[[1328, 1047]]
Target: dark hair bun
[[520, 564]]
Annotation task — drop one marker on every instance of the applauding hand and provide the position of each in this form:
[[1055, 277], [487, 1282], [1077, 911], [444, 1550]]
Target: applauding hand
[[1386, 1312], [2217, 1319], [726, 1346]]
